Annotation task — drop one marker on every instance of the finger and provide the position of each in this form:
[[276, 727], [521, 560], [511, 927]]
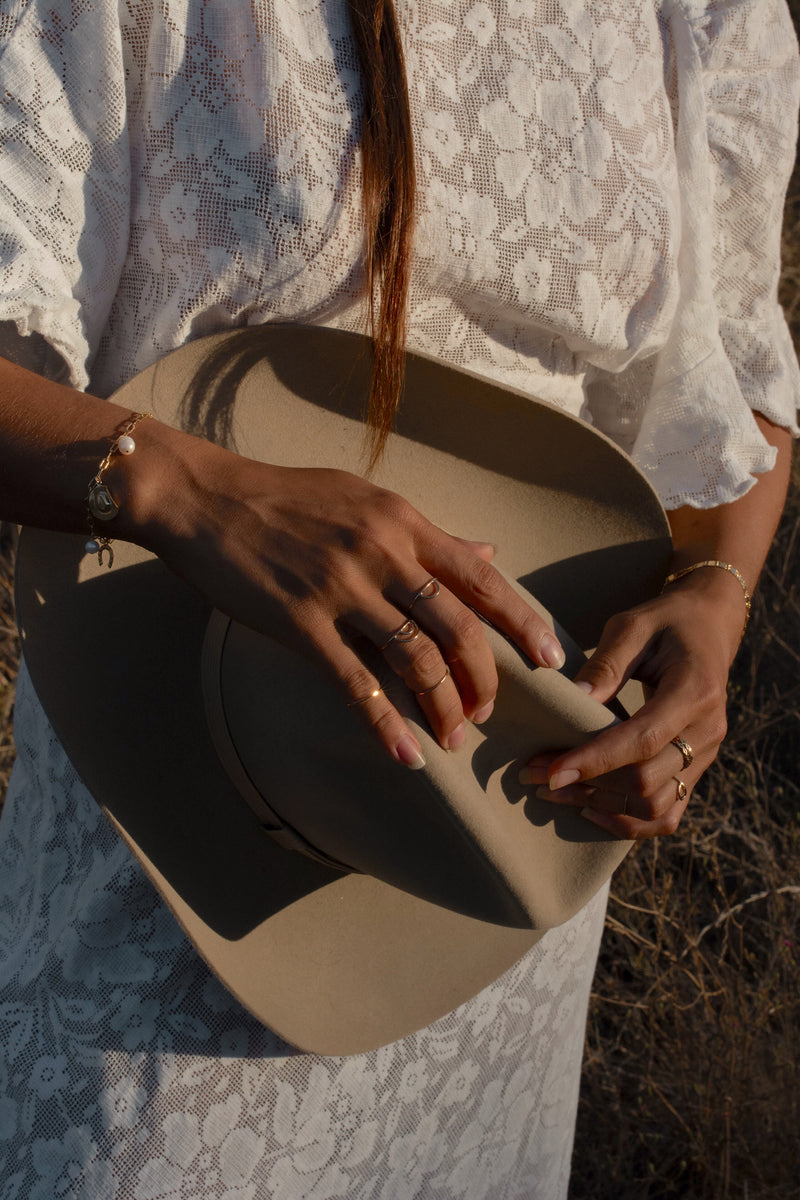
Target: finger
[[441, 703], [461, 640], [364, 695], [618, 803], [643, 736], [479, 585], [623, 826], [418, 661], [642, 782], [624, 639]]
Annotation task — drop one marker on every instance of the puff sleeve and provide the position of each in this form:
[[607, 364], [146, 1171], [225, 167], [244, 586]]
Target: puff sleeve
[[64, 174], [734, 86]]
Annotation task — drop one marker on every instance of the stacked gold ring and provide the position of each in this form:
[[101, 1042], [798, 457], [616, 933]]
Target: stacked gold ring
[[429, 591], [686, 751], [427, 691], [406, 633]]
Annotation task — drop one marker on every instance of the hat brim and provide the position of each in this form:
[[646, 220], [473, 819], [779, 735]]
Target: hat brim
[[335, 962]]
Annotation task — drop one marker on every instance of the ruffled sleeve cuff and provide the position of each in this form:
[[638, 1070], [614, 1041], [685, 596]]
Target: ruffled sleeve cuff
[[699, 443]]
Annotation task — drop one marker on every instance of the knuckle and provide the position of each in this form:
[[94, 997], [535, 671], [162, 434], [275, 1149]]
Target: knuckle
[[669, 823], [646, 779], [624, 626], [393, 508], [358, 682], [710, 691], [484, 581], [466, 630], [601, 667], [719, 729], [660, 807], [426, 664], [600, 763], [649, 741]]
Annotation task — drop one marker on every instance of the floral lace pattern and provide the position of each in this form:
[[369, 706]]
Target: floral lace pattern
[[600, 198], [600, 193], [128, 1071]]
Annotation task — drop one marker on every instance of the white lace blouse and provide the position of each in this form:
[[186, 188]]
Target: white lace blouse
[[600, 193]]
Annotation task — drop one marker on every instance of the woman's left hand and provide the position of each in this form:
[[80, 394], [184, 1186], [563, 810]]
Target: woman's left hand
[[680, 646]]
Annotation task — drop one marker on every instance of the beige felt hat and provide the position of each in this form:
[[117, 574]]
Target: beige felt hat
[[345, 900]]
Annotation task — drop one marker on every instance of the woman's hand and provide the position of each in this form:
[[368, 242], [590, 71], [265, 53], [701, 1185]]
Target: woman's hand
[[680, 646], [323, 560]]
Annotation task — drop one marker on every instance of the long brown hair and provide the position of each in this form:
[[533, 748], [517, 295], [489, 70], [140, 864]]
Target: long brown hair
[[387, 203]]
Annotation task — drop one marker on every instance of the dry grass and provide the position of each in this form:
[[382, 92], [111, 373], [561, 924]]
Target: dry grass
[[690, 1084], [691, 1078], [693, 1047]]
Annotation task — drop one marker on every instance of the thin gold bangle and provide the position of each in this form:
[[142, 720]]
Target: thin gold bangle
[[723, 566]]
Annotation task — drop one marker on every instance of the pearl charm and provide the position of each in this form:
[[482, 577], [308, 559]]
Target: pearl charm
[[100, 504]]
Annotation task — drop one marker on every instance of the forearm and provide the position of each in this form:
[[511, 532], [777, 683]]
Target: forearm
[[52, 439], [739, 533]]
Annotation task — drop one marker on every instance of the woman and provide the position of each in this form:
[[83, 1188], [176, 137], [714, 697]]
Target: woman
[[598, 197]]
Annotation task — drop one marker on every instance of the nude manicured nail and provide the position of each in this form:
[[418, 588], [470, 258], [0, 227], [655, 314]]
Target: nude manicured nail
[[584, 685], [563, 779], [457, 737], [483, 714], [409, 753], [552, 652]]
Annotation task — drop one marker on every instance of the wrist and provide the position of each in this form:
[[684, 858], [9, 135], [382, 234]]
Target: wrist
[[720, 590], [156, 488]]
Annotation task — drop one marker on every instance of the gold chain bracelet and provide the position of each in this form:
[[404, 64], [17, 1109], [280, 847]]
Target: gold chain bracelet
[[100, 503], [723, 566]]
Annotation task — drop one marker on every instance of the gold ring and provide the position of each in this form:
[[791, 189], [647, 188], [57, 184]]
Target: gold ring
[[406, 633], [682, 789], [427, 691], [428, 591], [685, 749], [364, 699]]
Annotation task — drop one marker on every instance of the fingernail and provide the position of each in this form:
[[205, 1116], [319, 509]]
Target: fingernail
[[551, 651], [483, 714], [531, 774], [563, 779], [409, 753], [584, 685], [457, 737]]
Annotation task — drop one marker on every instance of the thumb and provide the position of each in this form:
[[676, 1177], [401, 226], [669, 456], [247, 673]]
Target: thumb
[[617, 656]]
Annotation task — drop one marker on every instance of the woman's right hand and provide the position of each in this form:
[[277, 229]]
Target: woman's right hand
[[320, 559]]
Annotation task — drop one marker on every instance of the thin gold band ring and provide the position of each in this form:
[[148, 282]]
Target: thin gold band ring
[[364, 699], [428, 691], [429, 591], [406, 633]]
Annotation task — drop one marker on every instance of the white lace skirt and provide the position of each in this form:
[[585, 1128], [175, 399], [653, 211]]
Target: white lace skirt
[[127, 1070]]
